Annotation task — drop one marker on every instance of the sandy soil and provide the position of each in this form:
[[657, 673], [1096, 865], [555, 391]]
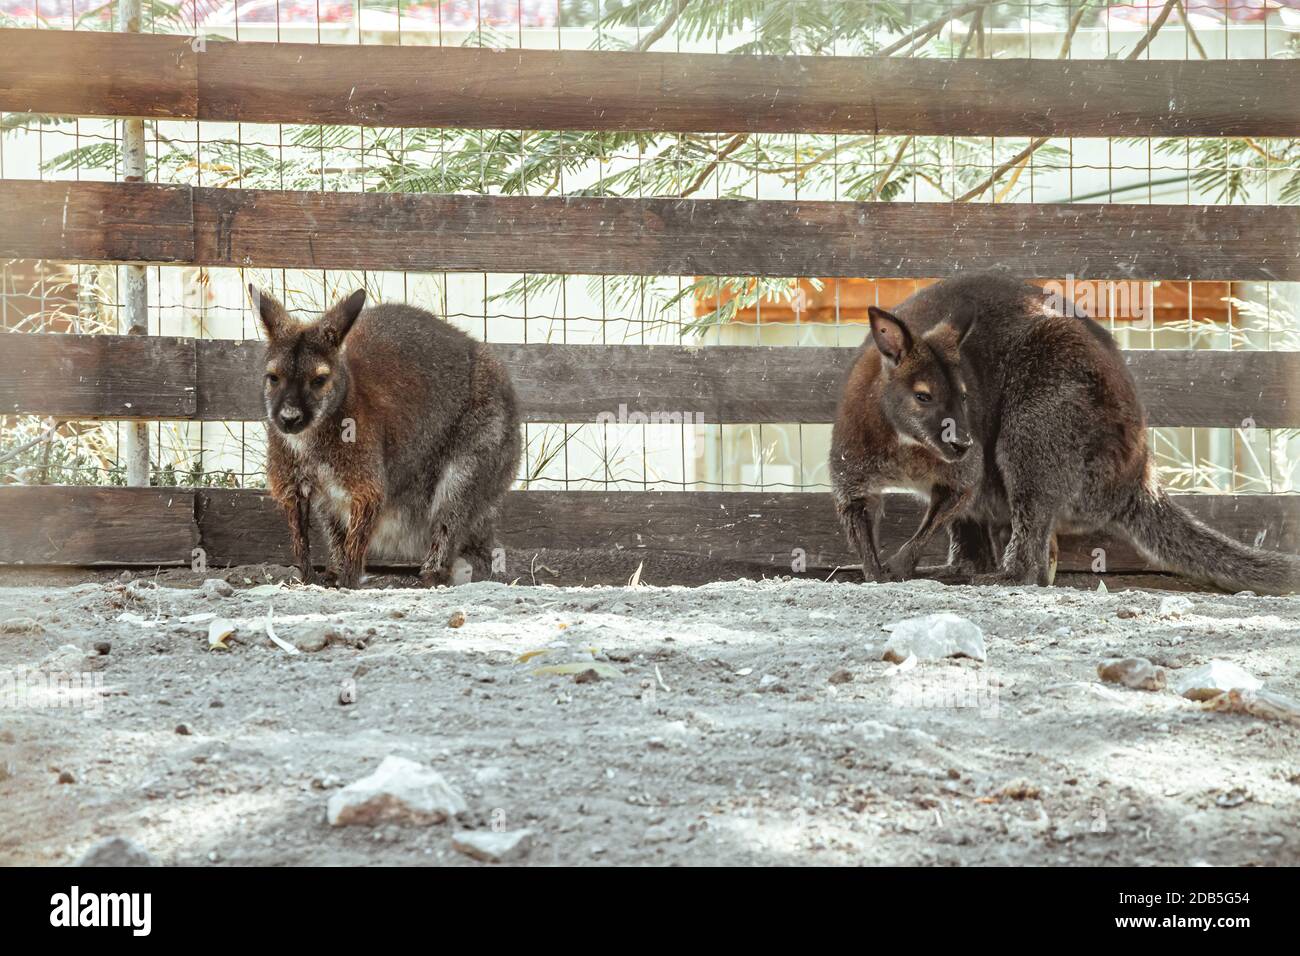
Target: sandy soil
[[749, 722]]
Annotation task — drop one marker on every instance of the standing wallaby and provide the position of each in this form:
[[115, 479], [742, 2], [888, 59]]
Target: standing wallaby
[[903, 422], [399, 428], [1059, 433]]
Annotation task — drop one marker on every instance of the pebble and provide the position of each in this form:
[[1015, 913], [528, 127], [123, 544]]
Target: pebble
[[1135, 672], [933, 637], [215, 587], [1212, 679], [399, 791], [493, 846], [1175, 605]]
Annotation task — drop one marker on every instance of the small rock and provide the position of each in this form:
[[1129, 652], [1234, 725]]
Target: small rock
[[1174, 606], [21, 625], [659, 833], [66, 776], [840, 677], [1212, 679], [397, 614], [589, 676], [399, 791], [1135, 672], [183, 730], [102, 647], [1127, 612], [117, 851], [215, 587], [493, 846], [934, 637], [457, 619], [313, 642]]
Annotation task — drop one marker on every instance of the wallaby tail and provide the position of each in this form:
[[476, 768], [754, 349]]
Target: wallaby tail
[[1167, 534]]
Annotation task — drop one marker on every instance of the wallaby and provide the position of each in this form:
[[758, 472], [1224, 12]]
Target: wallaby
[[1058, 439], [402, 430], [903, 422]]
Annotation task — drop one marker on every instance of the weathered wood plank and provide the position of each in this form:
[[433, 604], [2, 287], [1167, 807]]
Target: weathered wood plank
[[88, 526], [98, 526], [420, 232], [97, 376], [121, 222], [761, 529], [85, 73], [220, 380], [80, 73], [95, 222], [691, 92]]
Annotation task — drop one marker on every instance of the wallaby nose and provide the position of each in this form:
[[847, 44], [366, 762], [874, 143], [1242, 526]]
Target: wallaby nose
[[959, 446], [289, 416]]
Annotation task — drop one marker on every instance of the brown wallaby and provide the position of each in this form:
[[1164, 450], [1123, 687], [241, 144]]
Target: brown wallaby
[[401, 430], [1057, 435]]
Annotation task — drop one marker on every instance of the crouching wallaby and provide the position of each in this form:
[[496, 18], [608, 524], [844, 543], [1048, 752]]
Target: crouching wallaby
[[1057, 434], [399, 429]]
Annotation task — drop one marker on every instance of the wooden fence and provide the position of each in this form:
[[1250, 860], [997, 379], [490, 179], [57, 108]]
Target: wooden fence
[[116, 377]]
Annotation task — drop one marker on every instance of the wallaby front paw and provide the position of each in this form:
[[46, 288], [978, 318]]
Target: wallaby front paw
[[435, 577], [334, 578], [947, 573], [901, 567]]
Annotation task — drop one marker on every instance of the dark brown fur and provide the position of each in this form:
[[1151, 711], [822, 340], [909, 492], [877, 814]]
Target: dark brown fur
[[398, 430], [1060, 444]]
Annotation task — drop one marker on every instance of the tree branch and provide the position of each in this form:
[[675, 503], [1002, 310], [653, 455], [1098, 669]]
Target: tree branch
[[1029, 150], [662, 27]]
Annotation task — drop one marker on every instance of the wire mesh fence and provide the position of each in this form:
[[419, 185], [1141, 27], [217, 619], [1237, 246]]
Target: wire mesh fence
[[629, 453]]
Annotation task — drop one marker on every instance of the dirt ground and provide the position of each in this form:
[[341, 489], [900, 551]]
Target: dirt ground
[[746, 722]]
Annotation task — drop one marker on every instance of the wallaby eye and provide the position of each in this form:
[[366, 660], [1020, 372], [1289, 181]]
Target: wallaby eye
[[319, 381], [923, 397], [272, 379]]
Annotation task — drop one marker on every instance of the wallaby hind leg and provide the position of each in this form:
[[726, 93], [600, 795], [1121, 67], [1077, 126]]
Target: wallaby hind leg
[[467, 494], [1028, 557], [477, 549]]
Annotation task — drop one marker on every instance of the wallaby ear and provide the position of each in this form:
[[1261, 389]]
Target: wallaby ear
[[275, 320], [890, 334], [963, 320], [338, 320]]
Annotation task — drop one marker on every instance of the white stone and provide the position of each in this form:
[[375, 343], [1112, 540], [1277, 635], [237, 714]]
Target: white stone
[[400, 791], [934, 637], [494, 846], [1212, 679], [1174, 606]]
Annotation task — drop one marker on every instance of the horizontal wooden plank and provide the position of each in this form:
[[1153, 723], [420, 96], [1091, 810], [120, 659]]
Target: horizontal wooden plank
[[404, 86], [95, 222], [691, 92], [88, 526], [97, 376], [123, 222], [420, 232], [82, 73], [93, 376], [84, 526]]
